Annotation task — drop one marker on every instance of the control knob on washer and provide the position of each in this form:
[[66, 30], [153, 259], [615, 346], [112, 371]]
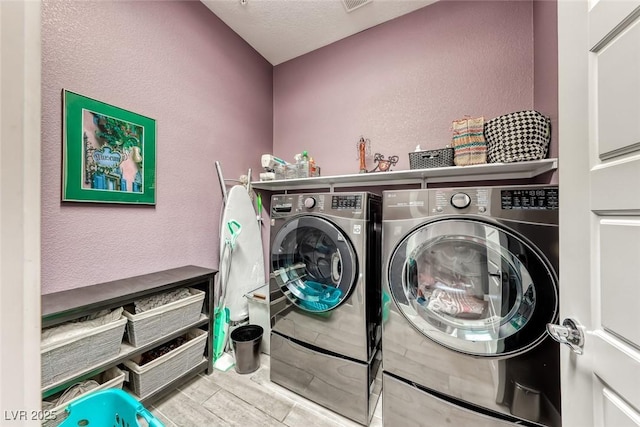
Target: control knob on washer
[[460, 200], [309, 202]]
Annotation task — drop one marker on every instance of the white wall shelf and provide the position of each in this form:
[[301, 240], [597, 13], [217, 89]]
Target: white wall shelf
[[485, 172]]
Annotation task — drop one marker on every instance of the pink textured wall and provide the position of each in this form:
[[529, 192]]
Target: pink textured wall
[[545, 84], [211, 95], [403, 82]]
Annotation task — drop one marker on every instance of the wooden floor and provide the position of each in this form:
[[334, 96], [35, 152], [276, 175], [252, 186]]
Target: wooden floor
[[231, 399]]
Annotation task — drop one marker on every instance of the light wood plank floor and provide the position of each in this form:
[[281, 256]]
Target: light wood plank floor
[[231, 399]]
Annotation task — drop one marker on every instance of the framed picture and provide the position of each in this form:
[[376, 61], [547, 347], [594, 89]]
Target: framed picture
[[109, 154]]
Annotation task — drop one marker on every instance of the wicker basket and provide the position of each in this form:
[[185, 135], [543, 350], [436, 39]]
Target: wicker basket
[[112, 378], [144, 380], [518, 137], [68, 357], [431, 158], [150, 325]]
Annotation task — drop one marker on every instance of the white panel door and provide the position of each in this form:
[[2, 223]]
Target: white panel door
[[20, 82], [599, 134]]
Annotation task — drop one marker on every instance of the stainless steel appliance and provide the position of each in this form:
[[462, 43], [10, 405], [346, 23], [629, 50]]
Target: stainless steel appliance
[[469, 283], [326, 299]]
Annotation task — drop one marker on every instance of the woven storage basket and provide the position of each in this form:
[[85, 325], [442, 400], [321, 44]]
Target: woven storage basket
[[71, 356], [431, 158], [112, 378], [146, 379], [518, 137], [150, 325]]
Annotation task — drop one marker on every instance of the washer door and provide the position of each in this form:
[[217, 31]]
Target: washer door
[[473, 287], [314, 263]]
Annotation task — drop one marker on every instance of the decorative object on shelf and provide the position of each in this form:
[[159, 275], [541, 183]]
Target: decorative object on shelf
[[382, 164], [424, 159], [109, 154], [517, 137], [364, 151], [469, 145]]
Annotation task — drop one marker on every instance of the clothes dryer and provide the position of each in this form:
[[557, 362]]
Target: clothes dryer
[[470, 282], [326, 299]]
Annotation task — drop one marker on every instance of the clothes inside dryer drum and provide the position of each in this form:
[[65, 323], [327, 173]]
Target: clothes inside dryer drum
[[472, 286], [482, 291]]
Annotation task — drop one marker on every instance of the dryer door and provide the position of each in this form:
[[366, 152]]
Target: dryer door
[[313, 263], [474, 287]]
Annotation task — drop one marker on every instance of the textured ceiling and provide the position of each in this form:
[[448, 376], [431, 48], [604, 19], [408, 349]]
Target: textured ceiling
[[281, 30]]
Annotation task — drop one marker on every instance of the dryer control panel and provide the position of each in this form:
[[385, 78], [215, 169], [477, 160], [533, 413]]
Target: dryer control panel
[[342, 205], [466, 200], [346, 202], [311, 203], [530, 199]]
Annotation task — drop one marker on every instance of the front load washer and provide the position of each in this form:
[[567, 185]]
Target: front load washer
[[470, 281], [325, 298]]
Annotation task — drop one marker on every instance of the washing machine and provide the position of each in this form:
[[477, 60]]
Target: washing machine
[[470, 281], [325, 299]]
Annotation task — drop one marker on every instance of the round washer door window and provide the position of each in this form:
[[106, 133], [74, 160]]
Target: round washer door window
[[473, 287], [314, 263]]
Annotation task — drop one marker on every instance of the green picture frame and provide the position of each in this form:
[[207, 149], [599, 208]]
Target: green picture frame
[[109, 153]]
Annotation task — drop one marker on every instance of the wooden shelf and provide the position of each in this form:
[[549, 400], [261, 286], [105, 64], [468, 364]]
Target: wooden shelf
[[127, 351], [62, 306], [485, 172], [75, 303]]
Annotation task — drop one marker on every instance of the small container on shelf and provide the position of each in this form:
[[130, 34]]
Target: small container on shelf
[[283, 171], [303, 169], [156, 322], [308, 169], [424, 159], [146, 378]]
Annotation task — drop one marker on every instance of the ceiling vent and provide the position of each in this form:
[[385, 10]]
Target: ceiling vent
[[352, 5]]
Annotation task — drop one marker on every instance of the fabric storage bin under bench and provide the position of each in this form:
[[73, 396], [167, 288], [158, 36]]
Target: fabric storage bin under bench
[[81, 347], [145, 327], [112, 378], [145, 379]]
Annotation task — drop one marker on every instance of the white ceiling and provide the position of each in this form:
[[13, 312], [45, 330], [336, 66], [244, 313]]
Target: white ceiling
[[281, 30]]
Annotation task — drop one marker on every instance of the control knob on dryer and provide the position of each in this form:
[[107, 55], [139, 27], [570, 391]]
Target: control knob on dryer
[[460, 200], [309, 202]]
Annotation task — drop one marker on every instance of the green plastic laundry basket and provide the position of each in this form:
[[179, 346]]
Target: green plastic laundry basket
[[108, 408]]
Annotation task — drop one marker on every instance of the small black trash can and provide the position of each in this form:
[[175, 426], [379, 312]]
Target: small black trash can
[[245, 341]]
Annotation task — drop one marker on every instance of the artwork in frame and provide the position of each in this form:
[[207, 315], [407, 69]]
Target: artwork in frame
[[109, 154]]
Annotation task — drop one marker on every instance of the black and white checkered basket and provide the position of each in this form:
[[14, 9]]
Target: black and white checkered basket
[[517, 137]]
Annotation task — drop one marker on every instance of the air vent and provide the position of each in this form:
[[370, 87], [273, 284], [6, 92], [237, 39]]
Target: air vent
[[352, 5]]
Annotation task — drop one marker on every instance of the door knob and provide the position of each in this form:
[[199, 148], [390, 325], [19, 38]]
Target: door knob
[[569, 333]]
